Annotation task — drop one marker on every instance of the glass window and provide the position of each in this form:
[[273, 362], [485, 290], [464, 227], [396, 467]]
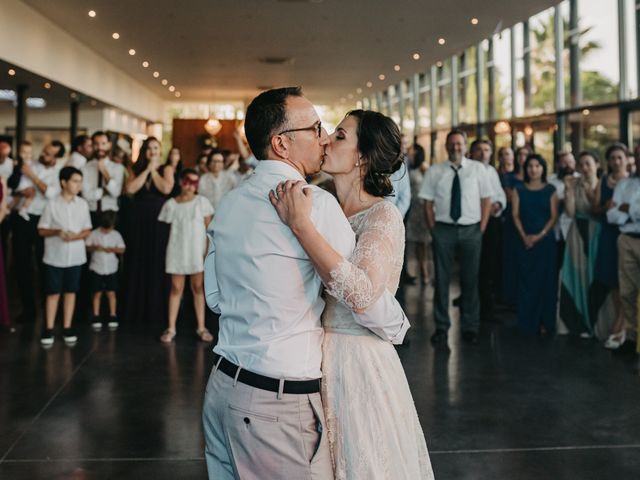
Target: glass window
[[443, 118], [598, 40], [392, 96], [468, 111], [518, 102], [502, 71], [543, 58], [632, 50], [592, 129], [409, 121], [424, 105]]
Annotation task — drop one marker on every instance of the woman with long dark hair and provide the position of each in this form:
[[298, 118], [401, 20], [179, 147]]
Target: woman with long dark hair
[[146, 283], [535, 211], [174, 159]]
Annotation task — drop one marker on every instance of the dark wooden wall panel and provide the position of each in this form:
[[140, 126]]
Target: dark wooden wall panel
[[189, 135]]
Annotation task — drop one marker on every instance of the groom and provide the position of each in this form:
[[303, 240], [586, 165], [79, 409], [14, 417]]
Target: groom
[[263, 416]]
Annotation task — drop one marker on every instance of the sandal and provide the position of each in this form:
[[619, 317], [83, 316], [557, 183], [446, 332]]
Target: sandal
[[205, 335], [168, 336]]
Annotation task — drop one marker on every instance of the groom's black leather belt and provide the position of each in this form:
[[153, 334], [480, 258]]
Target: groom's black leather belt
[[267, 383]]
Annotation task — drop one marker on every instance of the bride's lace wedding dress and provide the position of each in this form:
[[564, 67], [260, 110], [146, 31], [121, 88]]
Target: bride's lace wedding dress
[[372, 424]]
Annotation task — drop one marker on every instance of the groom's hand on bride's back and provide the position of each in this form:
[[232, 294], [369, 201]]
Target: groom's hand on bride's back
[[293, 201]]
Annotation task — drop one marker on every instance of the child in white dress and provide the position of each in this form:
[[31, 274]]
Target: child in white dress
[[189, 214]]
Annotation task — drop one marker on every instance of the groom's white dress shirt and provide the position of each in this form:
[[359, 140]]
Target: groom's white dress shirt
[[262, 282]]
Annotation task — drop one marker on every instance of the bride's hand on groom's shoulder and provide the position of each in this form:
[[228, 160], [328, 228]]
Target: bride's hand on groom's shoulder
[[293, 202]]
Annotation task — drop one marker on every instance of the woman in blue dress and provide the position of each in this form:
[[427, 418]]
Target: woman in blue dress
[[511, 244], [535, 211], [606, 268]]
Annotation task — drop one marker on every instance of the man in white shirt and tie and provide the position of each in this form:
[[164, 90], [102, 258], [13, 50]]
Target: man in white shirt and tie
[[457, 208], [263, 416], [102, 179], [490, 260], [626, 214]]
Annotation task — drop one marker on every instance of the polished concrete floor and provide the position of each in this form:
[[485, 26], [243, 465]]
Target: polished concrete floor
[[120, 405]]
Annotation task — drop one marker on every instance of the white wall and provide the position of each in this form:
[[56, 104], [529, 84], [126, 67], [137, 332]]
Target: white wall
[[31, 41]]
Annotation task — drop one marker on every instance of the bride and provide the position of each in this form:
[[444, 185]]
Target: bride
[[373, 428]]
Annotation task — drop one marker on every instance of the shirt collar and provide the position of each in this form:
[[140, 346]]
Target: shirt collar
[[276, 167], [464, 163]]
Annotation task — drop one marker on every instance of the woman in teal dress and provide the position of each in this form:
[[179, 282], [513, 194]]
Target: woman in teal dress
[[535, 211], [581, 247]]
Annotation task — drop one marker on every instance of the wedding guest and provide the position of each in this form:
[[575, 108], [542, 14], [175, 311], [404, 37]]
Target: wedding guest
[[5, 320], [81, 151], [6, 163], [511, 244], [188, 214], [506, 161], [625, 212], [174, 158], [217, 181], [605, 272], [566, 168], [535, 211], [580, 253], [26, 241], [201, 164], [65, 223], [105, 244], [417, 231], [144, 261], [458, 196], [61, 150], [482, 151], [102, 179]]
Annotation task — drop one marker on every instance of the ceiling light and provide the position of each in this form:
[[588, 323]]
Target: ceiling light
[[358, 90], [416, 56], [178, 94], [396, 68], [73, 95], [381, 76], [474, 21], [439, 64], [156, 74], [213, 126], [47, 85], [369, 84], [132, 52], [586, 111], [92, 13], [441, 41], [165, 81], [172, 88], [145, 64], [115, 35], [11, 72]]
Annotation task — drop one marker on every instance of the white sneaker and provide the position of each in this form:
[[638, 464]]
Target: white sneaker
[[615, 340], [586, 335], [97, 326]]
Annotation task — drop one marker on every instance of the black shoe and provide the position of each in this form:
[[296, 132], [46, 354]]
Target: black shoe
[[439, 337], [457, 301], [470, 337], [47, 338], [69, 336]]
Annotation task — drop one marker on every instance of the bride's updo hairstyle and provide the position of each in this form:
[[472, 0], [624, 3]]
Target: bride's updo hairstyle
[[379, 145]]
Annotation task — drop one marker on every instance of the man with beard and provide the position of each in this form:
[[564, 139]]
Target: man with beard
[[81, 151], [44, 176], [102, 184]]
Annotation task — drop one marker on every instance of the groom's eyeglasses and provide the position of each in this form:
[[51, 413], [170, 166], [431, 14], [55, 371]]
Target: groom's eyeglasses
[[317, 127]]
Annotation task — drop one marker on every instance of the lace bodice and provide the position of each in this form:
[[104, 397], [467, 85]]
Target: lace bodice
[[376, 264]]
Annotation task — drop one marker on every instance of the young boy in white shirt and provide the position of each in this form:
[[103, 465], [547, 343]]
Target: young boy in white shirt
[[105, 244], [65, 224]]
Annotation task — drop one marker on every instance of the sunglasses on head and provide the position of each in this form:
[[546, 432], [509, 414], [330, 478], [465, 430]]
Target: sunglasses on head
[[193, 182]]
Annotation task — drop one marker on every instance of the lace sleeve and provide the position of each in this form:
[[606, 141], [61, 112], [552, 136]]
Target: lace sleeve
[[377, 258]]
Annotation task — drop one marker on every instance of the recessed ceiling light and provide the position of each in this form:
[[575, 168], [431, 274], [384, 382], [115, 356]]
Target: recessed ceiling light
[[358, 90], [172, 88], [165, 81], [11, 72], [92, 13], [416, 56], [74, 95], [115, 35], [586, 111], [156, 74], [178, 94], [369, 84], [474, 21], [396, 68], [132, 52], [145, 64], [438, 64], [381, 76], [47, 85], [441, 41]]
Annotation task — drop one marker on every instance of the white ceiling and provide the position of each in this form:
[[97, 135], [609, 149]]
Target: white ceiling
[[210, 50]]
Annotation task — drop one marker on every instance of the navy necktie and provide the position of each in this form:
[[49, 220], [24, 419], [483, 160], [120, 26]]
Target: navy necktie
[[455, 211]]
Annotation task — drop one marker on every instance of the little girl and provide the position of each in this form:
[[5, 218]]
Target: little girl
[[189, 214]]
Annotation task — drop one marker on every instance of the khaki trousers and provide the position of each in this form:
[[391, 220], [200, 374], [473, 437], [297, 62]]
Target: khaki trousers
[[629, 280], [251, 434]]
